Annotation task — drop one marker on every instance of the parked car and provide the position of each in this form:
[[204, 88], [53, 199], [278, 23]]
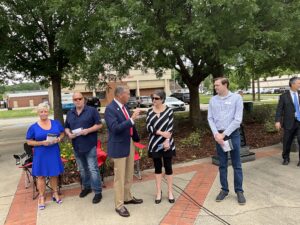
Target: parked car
[[144, 101], [132, 103], [183, 96], [280, 90], [175, 104], [93, 102], [67, 102]]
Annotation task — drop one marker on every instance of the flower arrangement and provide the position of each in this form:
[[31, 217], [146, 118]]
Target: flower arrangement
[[71, 173], [66, 151]]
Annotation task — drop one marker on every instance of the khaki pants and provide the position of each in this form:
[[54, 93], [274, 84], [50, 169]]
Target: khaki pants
[[123, 170]]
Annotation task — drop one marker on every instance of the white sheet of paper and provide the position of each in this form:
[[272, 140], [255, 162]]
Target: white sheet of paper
[[77, 131], [51, 137], [227, 147]]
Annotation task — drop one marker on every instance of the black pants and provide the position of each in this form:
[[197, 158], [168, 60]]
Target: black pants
[[288, 137], [167, 164]]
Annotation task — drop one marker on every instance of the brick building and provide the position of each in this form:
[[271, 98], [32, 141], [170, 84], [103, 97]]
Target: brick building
[[139, 82], [26, 99]]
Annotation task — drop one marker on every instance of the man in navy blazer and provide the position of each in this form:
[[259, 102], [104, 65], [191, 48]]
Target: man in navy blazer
[[121, 136], [288, 117]]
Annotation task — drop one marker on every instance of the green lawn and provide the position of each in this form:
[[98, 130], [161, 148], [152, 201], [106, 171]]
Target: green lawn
[[18, 113], [265, 98]]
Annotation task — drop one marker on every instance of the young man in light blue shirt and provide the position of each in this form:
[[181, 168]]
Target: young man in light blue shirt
[[225, 114]]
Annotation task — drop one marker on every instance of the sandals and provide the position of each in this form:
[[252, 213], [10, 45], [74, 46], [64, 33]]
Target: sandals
[[58, 200], [41, 206]]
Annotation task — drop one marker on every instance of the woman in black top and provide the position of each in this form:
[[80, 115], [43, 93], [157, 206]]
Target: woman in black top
[[161, 147]]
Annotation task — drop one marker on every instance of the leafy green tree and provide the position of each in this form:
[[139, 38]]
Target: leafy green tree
[[275, 38], [192, 37], [21, 87], [32, 44]]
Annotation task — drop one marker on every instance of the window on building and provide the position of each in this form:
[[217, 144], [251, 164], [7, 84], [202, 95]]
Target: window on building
[[101, 94]]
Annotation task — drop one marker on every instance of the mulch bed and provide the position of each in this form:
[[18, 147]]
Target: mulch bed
[[256, 137]]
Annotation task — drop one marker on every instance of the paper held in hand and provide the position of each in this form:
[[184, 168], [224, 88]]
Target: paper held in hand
[[51, 137], [77, 131], [227, 145]]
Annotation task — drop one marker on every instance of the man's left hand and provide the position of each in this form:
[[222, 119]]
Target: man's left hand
[[84, 132]]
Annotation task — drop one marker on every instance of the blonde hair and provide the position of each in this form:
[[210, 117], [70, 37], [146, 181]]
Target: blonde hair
[[43, 105]]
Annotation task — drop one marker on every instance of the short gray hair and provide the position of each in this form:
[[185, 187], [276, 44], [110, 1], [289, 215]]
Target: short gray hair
[[161, 94], [120, 89], [43, 105]]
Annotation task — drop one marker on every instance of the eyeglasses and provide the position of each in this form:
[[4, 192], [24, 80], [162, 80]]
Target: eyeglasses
[[77, 99], [155, 98]]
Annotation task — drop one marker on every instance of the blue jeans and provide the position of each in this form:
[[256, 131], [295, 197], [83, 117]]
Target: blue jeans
[[89, 171], [236, 163]]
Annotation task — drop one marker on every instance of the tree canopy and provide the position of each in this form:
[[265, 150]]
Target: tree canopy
[[31, 42], [193, 37], [60, 41]]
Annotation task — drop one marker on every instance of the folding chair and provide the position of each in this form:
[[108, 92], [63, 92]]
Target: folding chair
[[27, 168], [137, 157], [101, 158], [25, 160]]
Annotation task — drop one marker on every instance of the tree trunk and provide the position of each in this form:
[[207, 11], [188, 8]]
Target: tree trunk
[[195, 115], [253, 89], [56, 89], [258, 90]]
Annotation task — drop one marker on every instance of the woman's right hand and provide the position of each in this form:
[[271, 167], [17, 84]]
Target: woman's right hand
[[46, 143]]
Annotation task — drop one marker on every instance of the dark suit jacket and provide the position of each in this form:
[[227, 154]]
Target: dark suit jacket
[[118, 131], [285, 112]]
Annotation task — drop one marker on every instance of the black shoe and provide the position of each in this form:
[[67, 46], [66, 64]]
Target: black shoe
[[85, 192], [157, 201], [241, 198], [298, 163], [285, 162], [97, 198], [221, 196], [134, 201], [123, 211], [172, 200]]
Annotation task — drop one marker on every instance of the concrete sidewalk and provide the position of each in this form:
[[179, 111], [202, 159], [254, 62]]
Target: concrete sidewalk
[[271, 190]]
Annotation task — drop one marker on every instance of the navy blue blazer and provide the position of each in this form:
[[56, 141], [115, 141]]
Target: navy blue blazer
[[118, 131]]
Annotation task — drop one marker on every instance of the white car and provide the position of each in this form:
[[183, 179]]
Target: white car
[[175, 104]]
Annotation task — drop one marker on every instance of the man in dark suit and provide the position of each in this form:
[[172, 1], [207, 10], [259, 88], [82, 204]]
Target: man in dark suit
[[121, 135], [288, 117]]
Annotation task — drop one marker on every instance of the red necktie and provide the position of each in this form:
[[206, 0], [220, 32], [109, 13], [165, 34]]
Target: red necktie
[[127, 118]]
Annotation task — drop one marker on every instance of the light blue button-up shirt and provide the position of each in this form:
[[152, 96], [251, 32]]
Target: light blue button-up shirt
[[225, 113]]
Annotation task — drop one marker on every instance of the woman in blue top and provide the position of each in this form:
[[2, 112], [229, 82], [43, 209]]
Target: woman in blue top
[[44, 136]]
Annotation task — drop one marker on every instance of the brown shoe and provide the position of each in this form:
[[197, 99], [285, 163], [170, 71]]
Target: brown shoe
[[298, 163], [134, 201], [123, 211]]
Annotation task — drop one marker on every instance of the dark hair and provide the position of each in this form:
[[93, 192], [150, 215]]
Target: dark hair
[[224, 80], [293, 80], [161, 94]]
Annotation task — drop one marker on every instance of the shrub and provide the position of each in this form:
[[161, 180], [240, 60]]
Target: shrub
[[270, 127], [193, 140], [260, 114]]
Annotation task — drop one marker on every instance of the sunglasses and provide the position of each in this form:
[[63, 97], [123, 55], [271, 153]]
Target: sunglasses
[[155, 98], [77, 99]]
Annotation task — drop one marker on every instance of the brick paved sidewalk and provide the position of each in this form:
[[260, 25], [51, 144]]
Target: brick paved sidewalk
[[23, 209]]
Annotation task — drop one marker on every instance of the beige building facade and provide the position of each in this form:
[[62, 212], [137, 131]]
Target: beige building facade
[[139, 82], [276, 81]]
